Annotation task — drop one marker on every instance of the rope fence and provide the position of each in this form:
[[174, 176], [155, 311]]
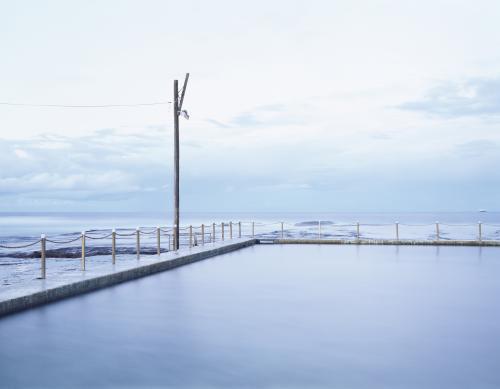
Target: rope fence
[[149, 240]]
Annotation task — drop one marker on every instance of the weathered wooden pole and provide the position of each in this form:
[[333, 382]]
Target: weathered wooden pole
[[203, 234], [190, 236], [158, 241], [113, 246], [479, 225], [213, 232], [282, 232], [239, 229], [177, 111], [253, 229], [176, 163], [43, 256], [319, 229], [222, 230], [437, 230], [83, 251], [357, 230], [397, 231], [138, 242], [231, 230]]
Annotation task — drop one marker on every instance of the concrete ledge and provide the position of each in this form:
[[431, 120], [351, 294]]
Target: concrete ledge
[[45, 296], [489, 243]]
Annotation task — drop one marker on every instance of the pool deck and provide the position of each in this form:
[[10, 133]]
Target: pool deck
[[42, 291]]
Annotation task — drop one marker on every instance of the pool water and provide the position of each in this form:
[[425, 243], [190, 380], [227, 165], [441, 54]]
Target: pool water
[[275, 316]]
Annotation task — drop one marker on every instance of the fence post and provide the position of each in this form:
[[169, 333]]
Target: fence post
[[397, 231], [222, 230], [239, 229], [253, 229], [190, 236], [357, 230], [282, 232], [42, 257], [174, 237], [231, 230], [158, 241], [113, 246], [213, 232], [138, 242], [203, 234], [83, 251], [437, 230], [319, 229], [480, 231]]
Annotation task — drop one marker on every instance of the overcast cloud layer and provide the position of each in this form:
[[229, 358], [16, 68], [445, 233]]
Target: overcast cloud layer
[[324, 105]]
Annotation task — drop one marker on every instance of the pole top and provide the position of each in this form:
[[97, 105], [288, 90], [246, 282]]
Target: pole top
[[113, 230], [137, 229], [42, 236], [83, 233], [397, 222], [479, 222]]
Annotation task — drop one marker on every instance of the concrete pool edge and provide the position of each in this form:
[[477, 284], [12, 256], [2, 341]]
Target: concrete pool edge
[[386, 242], [45, 296]]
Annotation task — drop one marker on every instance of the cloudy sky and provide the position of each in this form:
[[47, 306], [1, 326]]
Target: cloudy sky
[[295, 105]]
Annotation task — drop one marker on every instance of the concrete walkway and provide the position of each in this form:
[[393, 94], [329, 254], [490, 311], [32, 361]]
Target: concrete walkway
[[59, 286], [391, 242]]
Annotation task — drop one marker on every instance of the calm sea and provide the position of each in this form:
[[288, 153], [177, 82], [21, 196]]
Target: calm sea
[[29, 224]]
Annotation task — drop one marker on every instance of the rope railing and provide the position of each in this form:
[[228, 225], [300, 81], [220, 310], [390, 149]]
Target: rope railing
[[20, 246], [197, 235]]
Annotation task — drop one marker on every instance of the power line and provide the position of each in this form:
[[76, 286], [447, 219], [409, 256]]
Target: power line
[[84, 106]]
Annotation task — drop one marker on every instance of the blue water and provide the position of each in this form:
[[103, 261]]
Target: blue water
[[275, 316]]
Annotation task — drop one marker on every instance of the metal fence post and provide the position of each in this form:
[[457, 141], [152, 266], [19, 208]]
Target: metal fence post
[[213, 232], [231, 230], [437, 230], [113, 246], [357, 230], [282, 232], [190, 236], [222, 230], [397, 231], [203, 234], [83, 251], [158, 241], [42, 257], [479, 225], [239, 229]]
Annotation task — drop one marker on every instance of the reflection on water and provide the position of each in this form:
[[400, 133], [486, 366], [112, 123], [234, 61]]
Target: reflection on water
[[301, 316]]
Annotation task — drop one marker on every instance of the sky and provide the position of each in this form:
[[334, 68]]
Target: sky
[[294, 105]]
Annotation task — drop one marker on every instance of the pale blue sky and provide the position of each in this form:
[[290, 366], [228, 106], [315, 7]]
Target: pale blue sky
[[295, 105]]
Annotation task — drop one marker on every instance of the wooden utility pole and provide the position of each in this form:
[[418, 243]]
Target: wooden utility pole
[[177, 111]]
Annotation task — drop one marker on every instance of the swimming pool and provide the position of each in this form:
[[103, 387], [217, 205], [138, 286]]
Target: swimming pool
[[275, 315]]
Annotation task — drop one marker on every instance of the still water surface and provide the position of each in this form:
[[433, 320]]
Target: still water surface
[[281, 316]]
